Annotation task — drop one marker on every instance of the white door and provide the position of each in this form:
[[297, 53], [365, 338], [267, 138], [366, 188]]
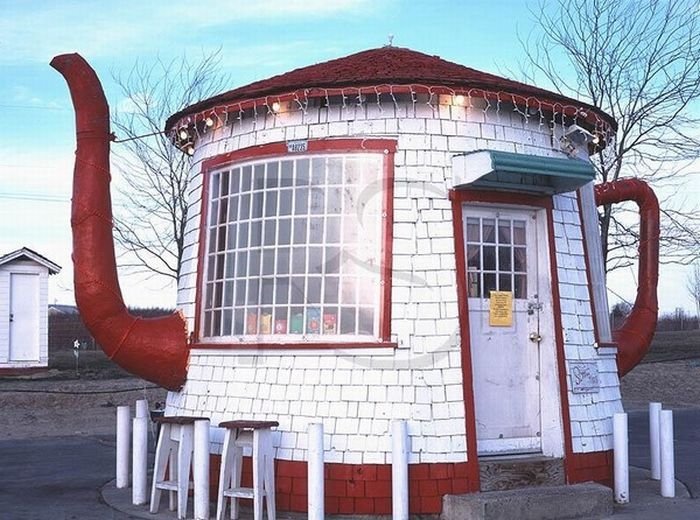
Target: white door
[[501, 252], [24, 317]]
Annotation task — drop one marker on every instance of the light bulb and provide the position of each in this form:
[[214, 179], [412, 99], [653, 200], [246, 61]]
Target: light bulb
[[209, 122], [276, 107], [190, 150], [459, 99], [184, 134]]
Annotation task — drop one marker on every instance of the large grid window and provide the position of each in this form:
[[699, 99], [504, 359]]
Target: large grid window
[[293, 248], [496, 256]]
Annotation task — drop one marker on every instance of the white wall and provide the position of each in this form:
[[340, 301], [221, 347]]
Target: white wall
[[24, 266], [354, 392]]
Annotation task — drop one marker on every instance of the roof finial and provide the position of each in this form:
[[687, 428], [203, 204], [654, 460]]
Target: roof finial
[[391, 41]]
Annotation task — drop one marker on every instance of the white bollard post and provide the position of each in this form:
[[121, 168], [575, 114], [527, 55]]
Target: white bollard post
[[139, 461], [123, 439], [399, 471], [200, 469], [621, 458], [316, 504], [142, 408], [654, 445], [668, 472]]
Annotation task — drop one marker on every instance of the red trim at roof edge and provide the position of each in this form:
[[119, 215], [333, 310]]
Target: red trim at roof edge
[[383, 66]]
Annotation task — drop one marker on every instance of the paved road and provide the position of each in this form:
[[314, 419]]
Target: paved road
[[59, 478], [56, 478], [687, 446]]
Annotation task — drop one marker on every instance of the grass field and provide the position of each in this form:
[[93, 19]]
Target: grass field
[[92, 364], [674, 345]]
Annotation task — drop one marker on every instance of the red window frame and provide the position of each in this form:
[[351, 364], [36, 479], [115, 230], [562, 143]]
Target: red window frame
[[280, 150]]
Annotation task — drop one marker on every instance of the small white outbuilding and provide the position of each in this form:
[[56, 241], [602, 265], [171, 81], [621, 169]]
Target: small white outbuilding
[[24, 280]]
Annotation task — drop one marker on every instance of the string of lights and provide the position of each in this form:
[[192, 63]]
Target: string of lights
[[531, 110]]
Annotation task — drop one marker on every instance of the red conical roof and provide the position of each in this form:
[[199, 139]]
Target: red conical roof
[[383, 66]]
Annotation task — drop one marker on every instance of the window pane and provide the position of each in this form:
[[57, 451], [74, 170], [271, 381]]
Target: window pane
[[301, 201], [283, 254], [473, 257], [272, 175], [298, 290], [347, 320], [489, 284], [520, 286], [266, 293], [257, 204], [254, 262], [238, 322], [302, 173], [332, 264], [330, 289], [330, 320], [334, 200], [313, 292], [520, 259], [318, 170], [490, 258], [270, 230], [504, 258], [253, 292], [286, 173], [300, 225], [246, 178], [256, 228], [519, 232], [316, 230], [473, 230], [215, 186], [270, 203], [489, 230], [335, 170], [332, 230], [282, 291], [268, 262], [259, 177], [285, 232], [299, 260], [504, 282], [366, 321], [285, 202], [315, 260], [503, 231]]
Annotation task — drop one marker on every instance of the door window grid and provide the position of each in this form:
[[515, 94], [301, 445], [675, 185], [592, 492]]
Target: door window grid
[[496, 256], [286, 252]]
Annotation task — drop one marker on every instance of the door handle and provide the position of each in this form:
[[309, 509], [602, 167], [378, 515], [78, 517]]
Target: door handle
[[535, 337], [12, 317]]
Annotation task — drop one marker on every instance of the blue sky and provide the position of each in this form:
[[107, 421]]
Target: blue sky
[[258, 39]]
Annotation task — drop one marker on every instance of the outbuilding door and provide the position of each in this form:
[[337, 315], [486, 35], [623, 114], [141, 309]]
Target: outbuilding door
[[504, 302], [24, 317]]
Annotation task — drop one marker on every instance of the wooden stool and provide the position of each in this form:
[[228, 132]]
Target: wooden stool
[[258, 436], [173, 452]]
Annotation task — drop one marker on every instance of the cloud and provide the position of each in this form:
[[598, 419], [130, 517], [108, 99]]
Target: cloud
[[34, 32]]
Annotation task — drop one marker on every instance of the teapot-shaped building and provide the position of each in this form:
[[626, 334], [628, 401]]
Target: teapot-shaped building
[[383, 236]]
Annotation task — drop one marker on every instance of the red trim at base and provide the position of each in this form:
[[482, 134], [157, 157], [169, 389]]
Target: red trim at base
[[360, 489], [596, 466]]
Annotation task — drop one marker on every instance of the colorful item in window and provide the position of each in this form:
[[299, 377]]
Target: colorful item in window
[[266, 323], [313, 321], [252, 323], [297, 326], [280, 326], [329, 323]]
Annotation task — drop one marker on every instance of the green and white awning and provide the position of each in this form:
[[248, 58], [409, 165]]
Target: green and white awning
[[507, 171]]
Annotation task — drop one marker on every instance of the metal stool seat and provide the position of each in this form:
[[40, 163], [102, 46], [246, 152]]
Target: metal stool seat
[[174, 453], [258, 436]]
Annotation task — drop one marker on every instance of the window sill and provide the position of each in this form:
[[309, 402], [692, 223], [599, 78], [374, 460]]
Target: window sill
[[306, 345]]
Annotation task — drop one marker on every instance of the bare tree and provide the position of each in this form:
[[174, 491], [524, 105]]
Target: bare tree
[[639, 61], [693, 286], [150, 222]]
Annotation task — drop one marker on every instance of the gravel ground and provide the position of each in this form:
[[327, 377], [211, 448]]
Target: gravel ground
[[676, 384], [48, 410]]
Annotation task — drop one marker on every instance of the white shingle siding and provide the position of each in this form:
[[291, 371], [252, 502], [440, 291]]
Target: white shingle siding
[[591, 414], [355, 393]]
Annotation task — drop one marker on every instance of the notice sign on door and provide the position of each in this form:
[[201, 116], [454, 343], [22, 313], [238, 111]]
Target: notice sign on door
[[501, 309]]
